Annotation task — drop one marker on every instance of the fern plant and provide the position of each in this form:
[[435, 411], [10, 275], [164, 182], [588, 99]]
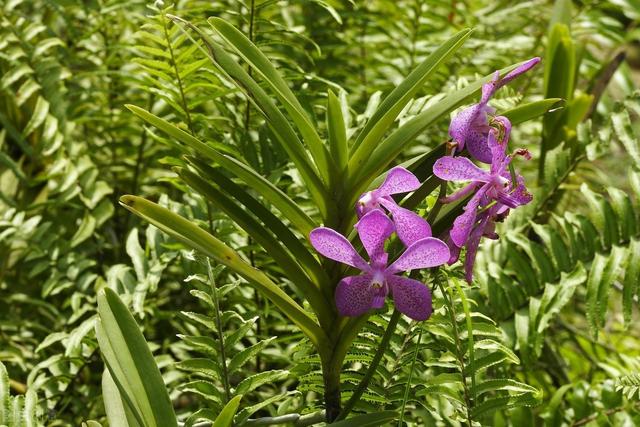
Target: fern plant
[[17, 410], [217, 376]]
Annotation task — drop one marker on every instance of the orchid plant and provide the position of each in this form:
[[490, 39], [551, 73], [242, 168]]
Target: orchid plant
[[339, 174]]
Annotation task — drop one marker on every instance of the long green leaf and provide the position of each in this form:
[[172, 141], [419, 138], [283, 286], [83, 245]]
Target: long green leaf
[[604, 271], [225, 418], [336, 127], [393, 104], [117, 411], [266, 189], [199, 239], [263, 67], [393, 145], [276, 121], [525, 112], [272, 222], [131, 363], [264, 238]]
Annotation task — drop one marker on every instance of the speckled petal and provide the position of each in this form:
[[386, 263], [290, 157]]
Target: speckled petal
[[459, 169], [426, 253], [526, 66], [374, 228], [461, 194], [335, 246], [455, 253], [472, 247], [462, 122], [498, 148], [398, 180], [410, 226], [518, 197], [354, 295], [489, 88], [478, 147], [411, 297], [463, 224]]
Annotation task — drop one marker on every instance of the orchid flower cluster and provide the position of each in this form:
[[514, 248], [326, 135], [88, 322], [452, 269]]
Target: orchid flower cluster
[[495, 192]]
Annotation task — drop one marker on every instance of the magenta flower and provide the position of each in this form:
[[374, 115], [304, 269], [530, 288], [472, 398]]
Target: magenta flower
[[471, 126], [356, 295], [410, 226], [495, 185]]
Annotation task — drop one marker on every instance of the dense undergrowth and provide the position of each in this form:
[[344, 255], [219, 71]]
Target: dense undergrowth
[[178, 103]]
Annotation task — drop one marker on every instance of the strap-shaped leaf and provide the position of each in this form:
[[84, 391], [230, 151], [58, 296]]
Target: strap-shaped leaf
[[272, 222], [197, 238], [266, 189], [336, 127], [264, 238], [525, 112], [276, 121], [263, 67], [390, 147], [131, 363], [118, 413], [393, 104], [225, 418]]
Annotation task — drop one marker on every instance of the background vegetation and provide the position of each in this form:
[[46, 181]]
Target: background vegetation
[[546, 334]]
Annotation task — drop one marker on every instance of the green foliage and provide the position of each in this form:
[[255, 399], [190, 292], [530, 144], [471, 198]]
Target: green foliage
[[273, 117], [19, 411], [130, 363]]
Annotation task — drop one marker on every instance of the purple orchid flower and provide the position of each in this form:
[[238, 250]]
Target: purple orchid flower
[[410, 226], [356, 295], [495, 185], [471, 126], [485, 227]]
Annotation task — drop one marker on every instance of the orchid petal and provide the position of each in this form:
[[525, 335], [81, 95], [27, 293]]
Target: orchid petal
[[425, 253], [374, 228], [460, 194], [519, 70], [459, 169], [489, 88], [477, 146], [455, 254], [335, 246], [410, 226], [411, 297], [520, 196], [354, 295], [485, 226], [463, 224], [469, 121], [398, 180], [472, 250]]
